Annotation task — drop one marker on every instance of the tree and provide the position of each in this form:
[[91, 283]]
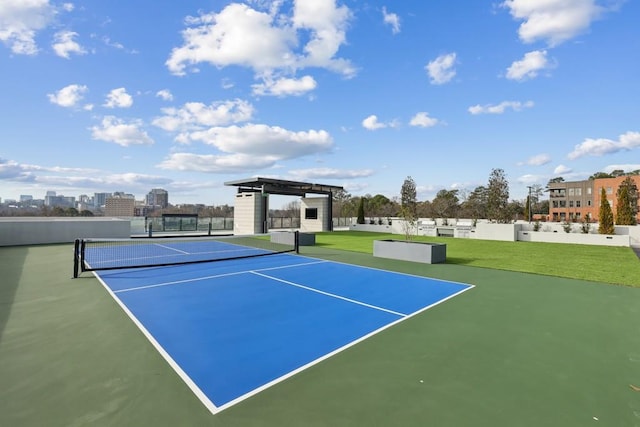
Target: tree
[[360, 219], [498, 197], [605, 215], [476, 204], [555, 181], [445, 204], [527, 211], [408, 206], [340, 200], [600, 175], [627, 203]]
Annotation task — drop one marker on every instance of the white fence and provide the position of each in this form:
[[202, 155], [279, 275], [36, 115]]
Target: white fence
[[550, 232]]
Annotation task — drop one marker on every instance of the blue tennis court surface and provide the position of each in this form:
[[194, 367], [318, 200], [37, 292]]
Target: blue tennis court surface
[[232, 328]]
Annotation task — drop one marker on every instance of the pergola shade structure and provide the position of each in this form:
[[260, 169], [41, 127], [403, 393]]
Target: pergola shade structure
[[267, 186]]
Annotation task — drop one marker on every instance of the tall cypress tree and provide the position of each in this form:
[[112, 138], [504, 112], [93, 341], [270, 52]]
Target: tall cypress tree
[[605, 216], [627, 203], [360, 219]]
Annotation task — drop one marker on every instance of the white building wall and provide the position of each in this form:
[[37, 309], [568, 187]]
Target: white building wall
[[322, 222], [248, 213], [15, 231]]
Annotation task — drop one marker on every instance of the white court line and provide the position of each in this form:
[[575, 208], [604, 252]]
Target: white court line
[[336, 351], [375, 307], [196, 279], [172, 249], [213, 409], [201, 395]]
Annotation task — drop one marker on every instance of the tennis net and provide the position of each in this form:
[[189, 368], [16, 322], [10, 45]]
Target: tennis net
[[112, 254]]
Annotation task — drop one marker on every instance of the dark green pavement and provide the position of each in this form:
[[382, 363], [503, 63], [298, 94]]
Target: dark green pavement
[[517, 350]]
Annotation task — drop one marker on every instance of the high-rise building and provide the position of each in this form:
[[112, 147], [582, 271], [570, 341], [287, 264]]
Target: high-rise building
[[158, 198], [52, 200], [120, 205], [100, 199]]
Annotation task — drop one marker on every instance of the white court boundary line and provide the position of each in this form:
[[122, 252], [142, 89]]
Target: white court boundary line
[[194, 387], [173, 249], [176, 367], [215, 276], [353, 301], [336, 351]]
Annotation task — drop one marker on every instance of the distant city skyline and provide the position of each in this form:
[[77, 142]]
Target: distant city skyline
[[107, 96]]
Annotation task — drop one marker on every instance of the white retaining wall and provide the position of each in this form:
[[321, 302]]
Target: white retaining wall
[[550, 232], [504, 232], [582, 239], [15, 231], [321, 223], [249, 213]]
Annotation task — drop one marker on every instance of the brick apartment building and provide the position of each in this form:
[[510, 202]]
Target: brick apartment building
[[573, 200]]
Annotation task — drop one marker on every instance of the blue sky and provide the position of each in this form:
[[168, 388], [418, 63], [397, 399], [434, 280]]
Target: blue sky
[[185, 95]]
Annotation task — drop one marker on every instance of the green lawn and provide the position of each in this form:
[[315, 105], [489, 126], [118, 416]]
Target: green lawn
[[615, 265]]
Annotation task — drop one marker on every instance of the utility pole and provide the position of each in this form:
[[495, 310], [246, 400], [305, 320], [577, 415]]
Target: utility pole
[[529, 210]]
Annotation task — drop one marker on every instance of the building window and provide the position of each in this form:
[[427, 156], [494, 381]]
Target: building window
[[570, 203], [563, 203], [571, 191], [577, 216], [588, 202], [589, 190], [578, 191], [311, 213], [555, 203], [609, 190], [578, 203]]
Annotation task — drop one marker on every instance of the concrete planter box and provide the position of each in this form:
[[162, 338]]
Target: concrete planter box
[[428, 253], [288, 238]]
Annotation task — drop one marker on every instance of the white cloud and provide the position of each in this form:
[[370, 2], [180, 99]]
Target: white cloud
[[499, 108], [529, 66], [121, 132], [561, 170], [555, 21], [441, 70], [530, 179], [68, 96], [538, 160], [241, 35], [391, 19], [372, 123], [11, 170], [263, 140], [330, 173], [20, 20], [326, 26], [165, 94], [285, 86], [603, 146], [118, 98], [422, 119], [65, 44], [211, 163], [68, 7], [196, 115]]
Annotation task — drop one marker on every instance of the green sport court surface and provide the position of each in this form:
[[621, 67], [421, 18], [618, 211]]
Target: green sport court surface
[[518, 350]]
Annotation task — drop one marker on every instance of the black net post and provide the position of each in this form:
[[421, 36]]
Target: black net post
[[296, 241], [76, 266]]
